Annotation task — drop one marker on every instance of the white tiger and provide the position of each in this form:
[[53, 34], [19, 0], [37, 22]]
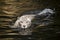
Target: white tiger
[[24, 21]]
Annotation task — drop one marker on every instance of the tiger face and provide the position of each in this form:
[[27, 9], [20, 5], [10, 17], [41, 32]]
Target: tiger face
[[25, 21]]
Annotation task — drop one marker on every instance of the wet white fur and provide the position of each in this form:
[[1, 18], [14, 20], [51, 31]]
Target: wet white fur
[[25, 20]]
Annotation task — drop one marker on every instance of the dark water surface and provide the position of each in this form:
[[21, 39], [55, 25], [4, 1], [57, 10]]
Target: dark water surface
[[51, 32]]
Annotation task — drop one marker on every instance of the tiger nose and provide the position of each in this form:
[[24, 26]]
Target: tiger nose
[[23, 25]]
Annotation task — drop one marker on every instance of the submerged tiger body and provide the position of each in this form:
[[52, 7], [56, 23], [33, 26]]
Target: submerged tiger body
[[24, 23]]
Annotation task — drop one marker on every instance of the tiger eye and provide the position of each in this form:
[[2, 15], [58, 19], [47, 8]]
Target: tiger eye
[[21, 22], [27, 21]]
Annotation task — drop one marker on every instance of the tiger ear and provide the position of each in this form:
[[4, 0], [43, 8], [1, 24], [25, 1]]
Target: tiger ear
[[29, 19]]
